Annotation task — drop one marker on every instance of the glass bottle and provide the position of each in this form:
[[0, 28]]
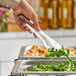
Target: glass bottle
[[75, 13], [60, 12], [53, 14], [68, 11], [43, 18]]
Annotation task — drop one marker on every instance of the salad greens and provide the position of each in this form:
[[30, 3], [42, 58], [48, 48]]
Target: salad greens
[[60, 67], [41, 67], [59, 53]]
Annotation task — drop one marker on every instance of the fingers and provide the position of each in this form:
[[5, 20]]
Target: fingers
[[29, 13], [21, 25], [28, 30], [35, 21]]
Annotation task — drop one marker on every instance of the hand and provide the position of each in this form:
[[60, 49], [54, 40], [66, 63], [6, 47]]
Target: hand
[[25, 9]]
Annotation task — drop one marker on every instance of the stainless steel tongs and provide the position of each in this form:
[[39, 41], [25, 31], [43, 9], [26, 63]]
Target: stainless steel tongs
[[46, 40]]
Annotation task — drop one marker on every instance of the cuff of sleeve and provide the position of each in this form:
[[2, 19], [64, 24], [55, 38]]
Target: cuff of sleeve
[[10, 3]]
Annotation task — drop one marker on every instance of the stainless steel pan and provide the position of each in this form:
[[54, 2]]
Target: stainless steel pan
[[24, 50], [22, 65]]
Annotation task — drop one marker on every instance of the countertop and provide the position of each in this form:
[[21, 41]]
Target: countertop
[[52, 33]]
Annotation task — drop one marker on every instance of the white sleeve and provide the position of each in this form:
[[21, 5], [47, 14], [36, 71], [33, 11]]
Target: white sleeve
[[10, 3]]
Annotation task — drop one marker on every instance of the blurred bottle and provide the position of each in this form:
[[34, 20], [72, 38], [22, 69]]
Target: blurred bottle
[[43, 18], [60, 12], [75, 13], [68, 11], [53, 14]]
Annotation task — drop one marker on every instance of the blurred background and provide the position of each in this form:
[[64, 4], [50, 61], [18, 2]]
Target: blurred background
[[56, 17], [52, 14]]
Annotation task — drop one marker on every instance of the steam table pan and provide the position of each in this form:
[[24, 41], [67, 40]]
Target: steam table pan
[[22, 65], [24, 50]]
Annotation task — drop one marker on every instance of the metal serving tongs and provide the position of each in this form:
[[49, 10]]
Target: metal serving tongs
[[46, 40]]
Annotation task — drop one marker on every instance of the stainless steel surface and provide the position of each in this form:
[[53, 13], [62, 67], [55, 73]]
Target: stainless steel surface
[[24, 62], [22, 65], [47, 41], [24, 50]]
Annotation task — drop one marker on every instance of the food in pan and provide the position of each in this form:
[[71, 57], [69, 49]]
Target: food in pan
[[57, 53], [70, 66], [37, 50], [72, 52], [59, 67], [51, 53]]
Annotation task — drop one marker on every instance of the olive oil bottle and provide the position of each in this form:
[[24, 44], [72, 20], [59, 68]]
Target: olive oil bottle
[[60, 12], [53, 14], [68, 11], [43, 18], [75, 13]]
